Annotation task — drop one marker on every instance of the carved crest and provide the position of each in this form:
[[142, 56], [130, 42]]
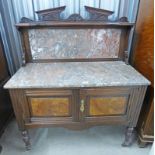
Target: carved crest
[[53, 14], [50, 14], [98, 14]]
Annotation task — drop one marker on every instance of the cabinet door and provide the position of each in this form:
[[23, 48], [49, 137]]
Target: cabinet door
[[99, 104], [50, 105]]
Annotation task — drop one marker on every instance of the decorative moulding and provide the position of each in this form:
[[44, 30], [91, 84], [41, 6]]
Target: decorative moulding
[[75, 17]]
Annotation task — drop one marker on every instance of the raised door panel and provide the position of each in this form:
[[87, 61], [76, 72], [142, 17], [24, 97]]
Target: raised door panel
[[100, 106], [50, 106]]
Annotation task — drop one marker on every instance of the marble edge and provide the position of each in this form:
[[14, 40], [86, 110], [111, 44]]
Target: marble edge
[[74, 86]]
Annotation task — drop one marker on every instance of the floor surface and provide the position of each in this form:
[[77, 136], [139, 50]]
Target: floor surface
[[103, 140]]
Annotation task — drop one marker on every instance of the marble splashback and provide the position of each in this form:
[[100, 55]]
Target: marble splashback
[[74, 43]]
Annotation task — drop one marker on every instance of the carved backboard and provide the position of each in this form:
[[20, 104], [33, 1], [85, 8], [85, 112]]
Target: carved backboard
[[53, 38]]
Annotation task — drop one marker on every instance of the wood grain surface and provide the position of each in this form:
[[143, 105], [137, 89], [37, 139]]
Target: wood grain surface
[[107, 106], [143, 61], [143, 53], [50, 106]]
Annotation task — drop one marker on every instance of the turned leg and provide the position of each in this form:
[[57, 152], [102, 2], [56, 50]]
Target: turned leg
[[129, 136], [26, 139]]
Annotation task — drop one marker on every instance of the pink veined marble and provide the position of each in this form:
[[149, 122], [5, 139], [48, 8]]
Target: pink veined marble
[[74, 43]]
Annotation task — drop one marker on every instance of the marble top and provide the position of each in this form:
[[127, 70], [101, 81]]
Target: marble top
[[76, 74]]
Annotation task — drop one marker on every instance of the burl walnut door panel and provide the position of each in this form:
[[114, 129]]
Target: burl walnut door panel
[[100, 106], [55, 104], [101, 103], [50, 106]]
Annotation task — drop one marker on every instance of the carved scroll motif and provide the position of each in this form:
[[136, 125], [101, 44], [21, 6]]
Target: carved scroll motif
[[122, 19], [75, 17], [26, 20]]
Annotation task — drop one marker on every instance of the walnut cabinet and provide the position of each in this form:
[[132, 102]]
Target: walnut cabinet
[[77, 108], [44, 107], [86, 105]]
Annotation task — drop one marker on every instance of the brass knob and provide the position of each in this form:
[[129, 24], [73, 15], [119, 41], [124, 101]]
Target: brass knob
[[82, 105]]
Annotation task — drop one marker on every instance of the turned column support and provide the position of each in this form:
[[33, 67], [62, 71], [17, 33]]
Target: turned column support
[[26, 139]]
